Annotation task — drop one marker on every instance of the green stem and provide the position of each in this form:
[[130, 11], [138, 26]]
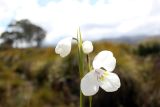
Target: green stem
[[89, 69], [81, 65], [88, 63], [90, 101], [75, 39]]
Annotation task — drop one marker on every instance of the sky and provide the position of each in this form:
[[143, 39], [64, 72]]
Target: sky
[[97, 19]]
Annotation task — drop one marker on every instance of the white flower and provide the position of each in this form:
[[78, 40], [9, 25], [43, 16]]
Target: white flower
[[99, 77], [87, 47], [64, 47]]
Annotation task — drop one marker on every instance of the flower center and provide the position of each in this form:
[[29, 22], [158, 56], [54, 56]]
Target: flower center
[[101, 74]]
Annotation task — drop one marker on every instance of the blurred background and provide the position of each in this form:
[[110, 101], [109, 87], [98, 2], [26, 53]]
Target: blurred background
[[32, 75]]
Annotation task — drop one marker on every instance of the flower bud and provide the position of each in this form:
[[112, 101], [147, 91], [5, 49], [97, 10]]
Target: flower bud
[[63, 47], [87, 47]]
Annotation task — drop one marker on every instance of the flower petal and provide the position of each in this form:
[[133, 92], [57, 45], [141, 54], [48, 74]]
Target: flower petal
[[106, 60], [87, 47], [89, 84], [64, 47], [111, 83]]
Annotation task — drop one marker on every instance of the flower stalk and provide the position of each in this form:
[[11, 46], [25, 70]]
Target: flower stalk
[[89, 69], [80, 60]]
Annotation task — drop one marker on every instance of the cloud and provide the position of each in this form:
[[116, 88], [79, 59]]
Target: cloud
[[97, 20], [144, 26]]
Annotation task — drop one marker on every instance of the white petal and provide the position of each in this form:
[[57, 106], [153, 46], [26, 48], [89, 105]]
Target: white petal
[[89, 84], [106, 60], [64, 47], [111, 83], [87, 47]]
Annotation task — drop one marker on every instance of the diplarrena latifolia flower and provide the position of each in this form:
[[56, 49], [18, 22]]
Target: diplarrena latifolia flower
[[101, 75]]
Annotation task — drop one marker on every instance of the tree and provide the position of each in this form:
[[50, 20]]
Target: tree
[[23, 31]]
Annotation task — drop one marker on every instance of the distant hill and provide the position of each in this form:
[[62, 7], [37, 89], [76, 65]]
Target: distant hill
[[133, 39]]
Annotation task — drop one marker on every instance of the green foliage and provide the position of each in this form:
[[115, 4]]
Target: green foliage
[[148, 48], [37, 77]]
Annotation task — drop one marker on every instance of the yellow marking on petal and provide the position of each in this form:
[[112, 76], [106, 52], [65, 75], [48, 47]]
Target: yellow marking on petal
[[105, 73], [103, 76]]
